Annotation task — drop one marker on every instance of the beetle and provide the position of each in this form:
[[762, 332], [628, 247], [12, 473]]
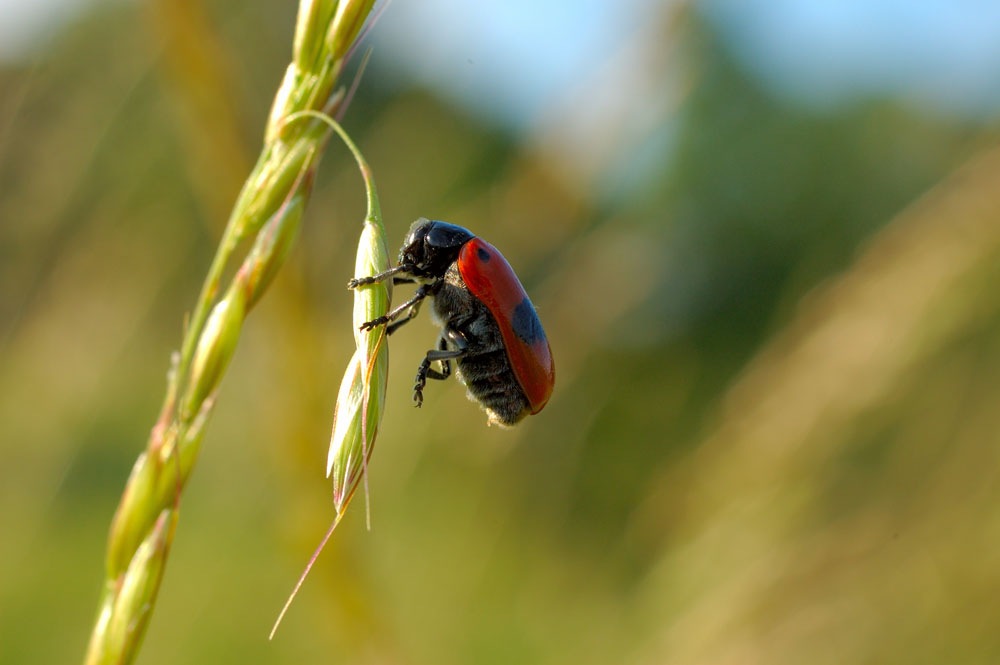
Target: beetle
[[488, 325]]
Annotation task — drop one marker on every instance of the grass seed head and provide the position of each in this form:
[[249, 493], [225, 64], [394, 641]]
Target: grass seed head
[[275, 240], [215, 349], [126, 623], [313, 17], [346, 25], [283, 103], [355, 424], [361, 400]]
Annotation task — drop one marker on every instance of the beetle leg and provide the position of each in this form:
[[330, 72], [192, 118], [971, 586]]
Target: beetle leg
[[362, 281], [443, 354], [412, 314], [445, 363], [424, 291], [425, 368], [402, 280], [439, 376], [451, 333]]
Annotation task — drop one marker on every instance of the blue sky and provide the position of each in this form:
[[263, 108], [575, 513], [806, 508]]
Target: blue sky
[[944, 54], [508, 59]]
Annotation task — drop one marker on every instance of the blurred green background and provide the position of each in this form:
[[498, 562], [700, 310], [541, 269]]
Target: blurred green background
[[775, 315]]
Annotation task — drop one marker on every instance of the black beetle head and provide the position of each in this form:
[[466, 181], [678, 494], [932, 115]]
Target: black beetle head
[[431, 247]]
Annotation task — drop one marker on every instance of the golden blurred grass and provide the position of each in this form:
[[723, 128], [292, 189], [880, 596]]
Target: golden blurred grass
[[845, 494]]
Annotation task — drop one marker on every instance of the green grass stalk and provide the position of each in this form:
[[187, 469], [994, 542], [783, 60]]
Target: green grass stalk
[[268, 210]]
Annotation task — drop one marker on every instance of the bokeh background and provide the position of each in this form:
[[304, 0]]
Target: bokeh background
[[763, 237]]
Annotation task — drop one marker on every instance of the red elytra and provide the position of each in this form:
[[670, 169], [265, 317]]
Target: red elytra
[[490, 278]]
